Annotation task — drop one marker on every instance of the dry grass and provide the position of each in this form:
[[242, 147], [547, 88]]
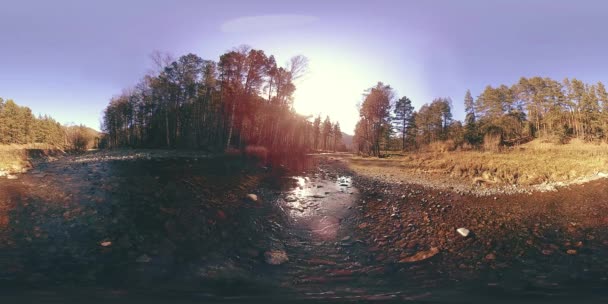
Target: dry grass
[[16, 158], [530, 164], [13, 160]]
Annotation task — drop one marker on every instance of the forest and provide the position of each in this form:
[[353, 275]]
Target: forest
[[18, 126], [243, 100], [499, 117]]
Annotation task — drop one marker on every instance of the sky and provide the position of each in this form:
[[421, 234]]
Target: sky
[[68, 58]]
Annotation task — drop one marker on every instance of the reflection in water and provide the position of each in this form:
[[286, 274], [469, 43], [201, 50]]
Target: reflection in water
[[320, 203]]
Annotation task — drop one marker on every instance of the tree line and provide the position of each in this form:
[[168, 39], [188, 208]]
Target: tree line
[[243, 99], [500, 116], [19, 126]]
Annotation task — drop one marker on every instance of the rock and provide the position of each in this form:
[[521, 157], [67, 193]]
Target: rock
[[363, 225], [490, 257], [10, 176], [275, 257], [105, 244], [290, 199], [420, 256], [571, 252], [346, 238], [144, 258], [463, 231], [252, 197]]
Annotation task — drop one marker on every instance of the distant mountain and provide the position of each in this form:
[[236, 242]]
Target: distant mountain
[[347, 140]]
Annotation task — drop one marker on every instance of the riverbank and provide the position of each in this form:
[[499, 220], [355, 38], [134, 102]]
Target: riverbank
[[313, 229], [20, 158], [532, 167]]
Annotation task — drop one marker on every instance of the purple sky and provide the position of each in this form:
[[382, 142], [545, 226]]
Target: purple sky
[[68, 58]]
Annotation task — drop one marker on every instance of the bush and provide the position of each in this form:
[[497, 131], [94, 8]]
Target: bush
[[80, 138], [80, 142]]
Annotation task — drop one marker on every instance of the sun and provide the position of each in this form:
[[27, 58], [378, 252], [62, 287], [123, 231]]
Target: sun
[[331, 88]]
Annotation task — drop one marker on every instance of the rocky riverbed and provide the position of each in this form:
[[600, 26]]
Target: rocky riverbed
[[192, 226]]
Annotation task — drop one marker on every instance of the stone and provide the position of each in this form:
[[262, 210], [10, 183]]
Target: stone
[[290, 199], [10, 176], [105, 244], [252, 197], [463, 231], [275, 257], [490, 257], [346, 238], [571, 252], [420, 256]]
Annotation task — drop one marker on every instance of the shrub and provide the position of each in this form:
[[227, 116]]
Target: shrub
[[79, 142], [80, 138]]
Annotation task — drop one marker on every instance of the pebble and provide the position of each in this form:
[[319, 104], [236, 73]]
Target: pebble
[[463, 231], [252, 197]]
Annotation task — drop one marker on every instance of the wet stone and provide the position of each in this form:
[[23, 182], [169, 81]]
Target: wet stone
[[252, 197]]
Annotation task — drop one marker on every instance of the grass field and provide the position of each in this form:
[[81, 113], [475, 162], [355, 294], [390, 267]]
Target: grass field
[[530, 164]]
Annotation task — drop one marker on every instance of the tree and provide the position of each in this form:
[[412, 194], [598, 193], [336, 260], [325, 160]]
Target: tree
[[19, 126], [433, 120], [243, 100], [337, 135], [602, 96], [403, 112], [471, 133], [316, 132], [326, 132], [411, 132], [374, 115]]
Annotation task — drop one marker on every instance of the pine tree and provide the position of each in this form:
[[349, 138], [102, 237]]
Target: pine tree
[[403, 112]]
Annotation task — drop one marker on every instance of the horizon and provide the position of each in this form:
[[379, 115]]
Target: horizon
[[78, 61]]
